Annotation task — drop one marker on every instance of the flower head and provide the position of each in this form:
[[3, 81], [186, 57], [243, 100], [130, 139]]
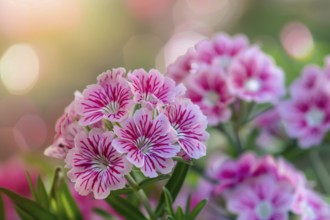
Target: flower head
[[307, 118], [152, 87], [95, 166], [190, 125], [253, 76], [148, 143], [111, 99], [209, 89], [66, 129], [262, 198], [231, 173], [310, 206]]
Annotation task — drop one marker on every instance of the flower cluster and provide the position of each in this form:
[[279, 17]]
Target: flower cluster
[[220, 71], [266, 188], [306, 115], [138, 118]]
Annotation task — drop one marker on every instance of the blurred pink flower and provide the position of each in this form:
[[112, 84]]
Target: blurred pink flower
[[111, 99], [148, 143], [253, 76], [307, 118], [220, 51], [233, 172], [152, 87], [183, 66], [209, 89], [95, 166], [262, 198], [66, 129], [190, 126], [310, 80], [310, 206]]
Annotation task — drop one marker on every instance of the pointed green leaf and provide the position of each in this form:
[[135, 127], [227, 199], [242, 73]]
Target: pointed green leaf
[[28, 206], [197, 209], [23, 215], [104, 214], [122, 191], [68, 201], [42, 196], [188, 206], [173, 185], [179, 214], [33, 192], [149, 181], [125, 208], [168, 201], [2, 209]]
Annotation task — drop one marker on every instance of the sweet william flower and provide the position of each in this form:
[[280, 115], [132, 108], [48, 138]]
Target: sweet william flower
[[66, 129], [148, 143], [209, 89], [94, 164], [310, 206], [110, 99], [152, 87], [307, 118], [253, 76], [233, 172], [190, 124], [262, 198], [221, 50]]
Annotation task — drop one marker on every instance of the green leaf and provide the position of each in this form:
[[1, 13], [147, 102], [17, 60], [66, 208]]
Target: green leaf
[[30, 207], [104, 214], [22, 214], [122, 191], [173, 185], [149, 181], [33, 192], [125, 208], [168, 201], [179, 214], [197, 209], [188, 206], [42, 196], [71, 208], [2, 209]]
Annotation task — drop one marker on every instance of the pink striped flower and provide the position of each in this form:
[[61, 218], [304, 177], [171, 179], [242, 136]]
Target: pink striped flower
[[221, 50], [152, 87], [217, 52], [183, 67], [233, 172], [111, 99], [310, 80], [209, 89], [262, 198], [307, 118], [66, 129], [95, 166], [147, 142], [310, 206], [253, 76], [190, 125]]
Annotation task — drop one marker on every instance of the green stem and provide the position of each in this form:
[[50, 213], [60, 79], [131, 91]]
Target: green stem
[[321, 171], [141, 196]]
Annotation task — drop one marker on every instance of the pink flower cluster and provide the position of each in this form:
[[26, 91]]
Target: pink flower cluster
[[306, 115], [266, 188], [220, 71], [138, 118]]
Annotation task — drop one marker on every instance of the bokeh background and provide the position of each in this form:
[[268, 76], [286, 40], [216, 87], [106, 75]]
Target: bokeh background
[[51, 48]]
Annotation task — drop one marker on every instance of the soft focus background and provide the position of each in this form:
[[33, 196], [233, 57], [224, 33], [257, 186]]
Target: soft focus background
[[51, 48]]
